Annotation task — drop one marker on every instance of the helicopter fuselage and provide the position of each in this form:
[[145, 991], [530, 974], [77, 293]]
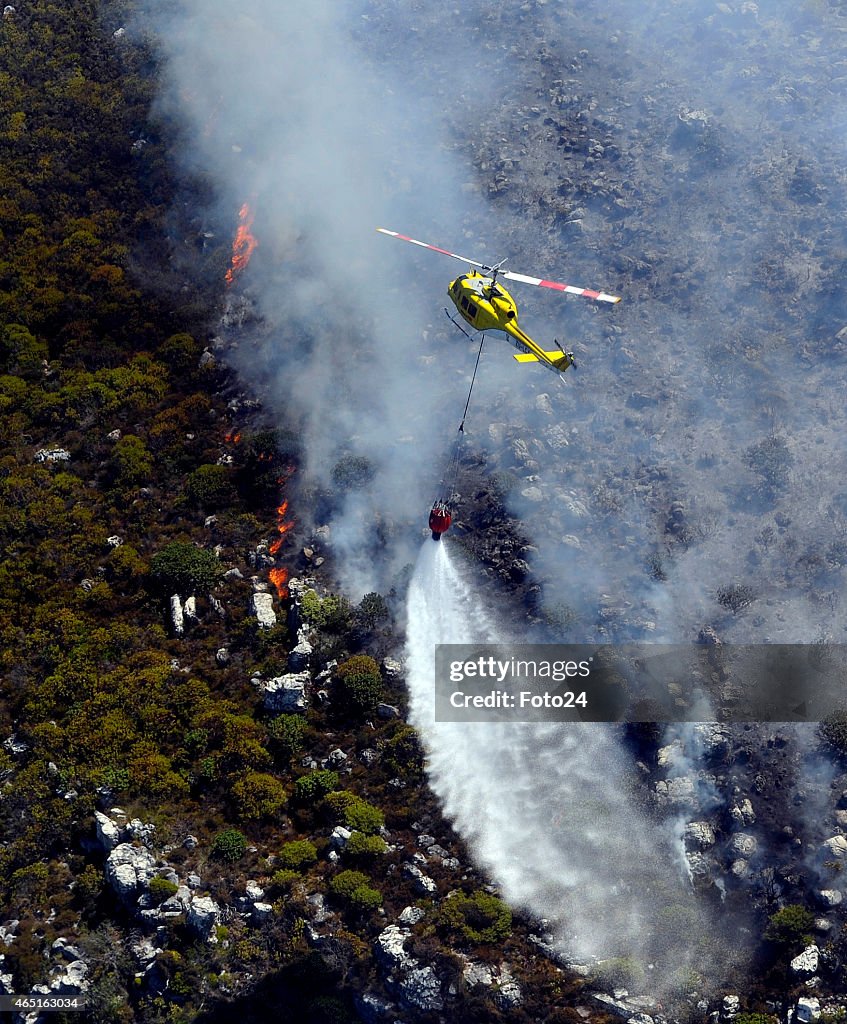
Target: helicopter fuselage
[[487, 306]]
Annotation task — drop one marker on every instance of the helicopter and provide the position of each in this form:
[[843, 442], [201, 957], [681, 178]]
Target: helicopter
[[487, 306]]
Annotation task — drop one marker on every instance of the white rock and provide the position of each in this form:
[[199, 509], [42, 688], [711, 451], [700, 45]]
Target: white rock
[[743, 844], [177, 621], [52, 455], [389, 947], [253, 890], [411, 915], [422, 990], [807, 961], [285, 693], [262, 607], [699, 834], [217, 607], [340, 836], [836, 846], [807, 1009], [114, 541], [203, 916], [108, 833], [189, 609], [422, 883], [832, 897], [128, 867]]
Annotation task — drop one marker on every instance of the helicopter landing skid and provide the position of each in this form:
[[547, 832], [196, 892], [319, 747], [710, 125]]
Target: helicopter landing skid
[[456, 323]]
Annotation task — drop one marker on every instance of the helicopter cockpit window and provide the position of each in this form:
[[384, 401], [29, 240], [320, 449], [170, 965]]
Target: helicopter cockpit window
[[464, 303], [471, 310]]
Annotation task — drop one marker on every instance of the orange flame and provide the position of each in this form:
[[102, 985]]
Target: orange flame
[[232, 438], [243, 245], [279, 578]]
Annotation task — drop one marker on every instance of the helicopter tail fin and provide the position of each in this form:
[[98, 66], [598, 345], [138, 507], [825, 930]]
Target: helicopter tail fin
[[557, 357]]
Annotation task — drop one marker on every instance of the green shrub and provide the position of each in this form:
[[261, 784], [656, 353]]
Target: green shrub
[[332, 613], [361, 845], [230, 845], [259, 795], [183, 568], [210, 487], [790, 926], [298, 854], [287, 732], [162, 889], [619, 972], [479, 918], [372, 610], [353, 887], [132, 463], [755, 1018], [284, 878], [360, 684], [354, 813], [308, 789]]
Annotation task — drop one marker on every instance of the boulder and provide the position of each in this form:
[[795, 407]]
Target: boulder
[[743, 844], [177, 620], [699, 835], [189, 610], [807, 961], [262, 607], [203, 916], [831, 897], [389, 947], [836, 846], [285, 693], [807, 1010], [421, 989], [129, 867], [52, 455], [423, 883], [411, 915], [108, 833]]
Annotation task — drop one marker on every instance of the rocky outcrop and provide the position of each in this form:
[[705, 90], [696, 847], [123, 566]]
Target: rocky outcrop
[[177, 619], [285, 694], [129, 868], [108, 833], [203, 916], [261, 606]]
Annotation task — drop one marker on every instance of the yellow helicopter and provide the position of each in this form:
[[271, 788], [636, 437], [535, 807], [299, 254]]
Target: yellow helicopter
[[487, 306]]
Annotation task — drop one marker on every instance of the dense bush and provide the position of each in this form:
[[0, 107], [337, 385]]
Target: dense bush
[[478, 918], [259, 795], [361, 845], [308, 789], [210, 487], [229, 845], [184, 568], [161, 889], [359, 684], [354, 813], [353, 886], [790, 926], [298, 854], [287, 733]]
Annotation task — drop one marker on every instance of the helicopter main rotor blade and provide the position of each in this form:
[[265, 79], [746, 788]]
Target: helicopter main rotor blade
[[510, 275], [435, 248], [587, 293]]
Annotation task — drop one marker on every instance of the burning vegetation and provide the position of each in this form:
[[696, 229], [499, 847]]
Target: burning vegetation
[[243, 246]]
